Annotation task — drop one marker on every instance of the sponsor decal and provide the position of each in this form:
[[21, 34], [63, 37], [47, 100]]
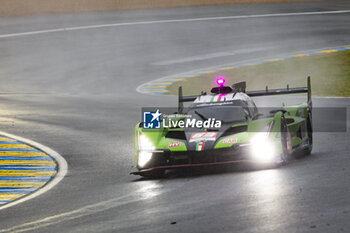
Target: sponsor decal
[[229, 140], [202, 137], [151, 120], [200, 146], [174, 144]]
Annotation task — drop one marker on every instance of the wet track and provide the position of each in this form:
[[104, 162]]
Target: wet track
[[74, 91]]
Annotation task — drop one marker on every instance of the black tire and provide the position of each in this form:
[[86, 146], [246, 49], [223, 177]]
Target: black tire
[[309, 146], [286, 141], [154, 174]]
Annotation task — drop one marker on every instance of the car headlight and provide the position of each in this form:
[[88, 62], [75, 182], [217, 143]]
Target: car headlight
[[145, 147], [262, 148], [145, 144], [144, 158]]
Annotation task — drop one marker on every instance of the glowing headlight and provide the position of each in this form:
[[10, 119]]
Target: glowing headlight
[[145, 150], [144, 158], [262, 148], [145, 144]]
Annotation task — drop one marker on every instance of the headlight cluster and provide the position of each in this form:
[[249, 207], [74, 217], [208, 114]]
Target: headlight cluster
[[262, 148], [145, 150], [144, 158], [145, 144]]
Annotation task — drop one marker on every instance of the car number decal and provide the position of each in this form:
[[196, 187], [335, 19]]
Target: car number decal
[[202, 137]]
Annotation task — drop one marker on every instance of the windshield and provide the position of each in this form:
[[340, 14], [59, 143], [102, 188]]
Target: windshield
[[226, 114]]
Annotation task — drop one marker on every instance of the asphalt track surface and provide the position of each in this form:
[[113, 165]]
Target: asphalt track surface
[[75, 92]]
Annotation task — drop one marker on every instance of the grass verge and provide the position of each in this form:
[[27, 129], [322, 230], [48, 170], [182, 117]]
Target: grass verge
[[30, 7], [330, 75]]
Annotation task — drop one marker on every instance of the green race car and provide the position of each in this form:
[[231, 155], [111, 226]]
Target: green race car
[[224, 127]]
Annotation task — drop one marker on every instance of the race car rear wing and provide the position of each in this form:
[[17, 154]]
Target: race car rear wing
[[183, 99], [241, 87], [285, 91]]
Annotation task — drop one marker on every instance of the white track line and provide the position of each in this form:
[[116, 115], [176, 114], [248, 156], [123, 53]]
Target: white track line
[[62, 169], [170, 21]]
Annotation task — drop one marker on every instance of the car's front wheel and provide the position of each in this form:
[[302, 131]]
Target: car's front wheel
[[308, 148], [286, 141]]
